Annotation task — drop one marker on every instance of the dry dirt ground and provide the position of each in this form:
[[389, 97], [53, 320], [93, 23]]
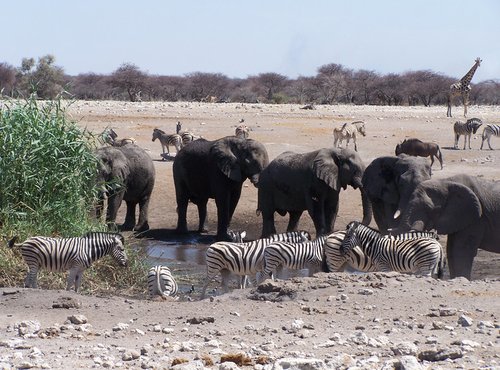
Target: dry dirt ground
[[336, 320]]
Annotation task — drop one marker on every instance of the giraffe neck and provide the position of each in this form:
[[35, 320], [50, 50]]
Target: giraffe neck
[[465, 81]]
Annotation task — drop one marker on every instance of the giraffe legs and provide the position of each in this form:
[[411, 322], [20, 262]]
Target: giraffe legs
[[465, 100]]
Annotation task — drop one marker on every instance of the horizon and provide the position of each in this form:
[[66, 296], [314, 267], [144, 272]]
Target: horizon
[[238, 40]]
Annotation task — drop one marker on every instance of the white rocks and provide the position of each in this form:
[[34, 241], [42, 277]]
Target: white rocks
[[409, 363], [12, 343], [299, 364], [365, 291], [447, 311], [77, 319], [120, 326], [465, 321], [27, 327], [130, 355], [404, 348]]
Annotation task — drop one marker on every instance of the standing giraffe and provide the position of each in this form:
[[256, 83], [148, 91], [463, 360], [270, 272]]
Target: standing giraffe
[[462, 88]]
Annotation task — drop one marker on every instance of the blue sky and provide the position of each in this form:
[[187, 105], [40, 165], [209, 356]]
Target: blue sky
[[242, 38]]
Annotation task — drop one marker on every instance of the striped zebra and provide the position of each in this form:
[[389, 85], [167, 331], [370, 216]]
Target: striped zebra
[[348, 131], [242, 258], [295, 256], [161, 282], [242, 131], [186, 136], [467, 129], [366, 247], [335, 261], [111, 137], [73, 254], [489, 131], [167, 140]]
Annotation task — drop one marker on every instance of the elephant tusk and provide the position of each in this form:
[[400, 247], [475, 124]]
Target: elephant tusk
[[397, 214]]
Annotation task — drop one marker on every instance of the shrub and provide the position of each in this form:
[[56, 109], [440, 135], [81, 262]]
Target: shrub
[[48, 187]]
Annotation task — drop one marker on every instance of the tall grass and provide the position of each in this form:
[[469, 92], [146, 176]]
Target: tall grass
[[48, 187]]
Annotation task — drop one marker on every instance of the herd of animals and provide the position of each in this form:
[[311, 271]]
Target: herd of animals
[[408, 206]]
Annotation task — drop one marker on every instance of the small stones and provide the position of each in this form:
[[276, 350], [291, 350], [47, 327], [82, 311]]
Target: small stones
[[120, 326], [67, 302], [447, 311], [77, 319], [130, 355], [465, 321]]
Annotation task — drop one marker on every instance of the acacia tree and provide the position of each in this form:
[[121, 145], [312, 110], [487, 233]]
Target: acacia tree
[[268, 85], [331, 82], [44, 79], [129, 79], [203, 86]]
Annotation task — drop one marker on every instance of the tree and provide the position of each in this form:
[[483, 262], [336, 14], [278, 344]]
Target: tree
[[269, 84], [7, 79], [46, 80], [203, 86], [129, 79]]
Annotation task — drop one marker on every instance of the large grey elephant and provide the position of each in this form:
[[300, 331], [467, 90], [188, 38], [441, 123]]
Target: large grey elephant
[[311, 181], [389, 181], [465, 208], [215, 169], [129, 174]]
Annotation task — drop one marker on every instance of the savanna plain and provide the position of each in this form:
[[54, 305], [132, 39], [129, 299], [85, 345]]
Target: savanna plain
[[331, 320]]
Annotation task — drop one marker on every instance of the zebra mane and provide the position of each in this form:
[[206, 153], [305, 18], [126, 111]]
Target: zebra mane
[[160, 131], [92, 234]]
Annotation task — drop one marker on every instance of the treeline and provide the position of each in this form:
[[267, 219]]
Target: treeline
[[333, 83]]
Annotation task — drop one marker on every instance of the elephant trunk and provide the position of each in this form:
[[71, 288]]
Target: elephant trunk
[[367, 207]]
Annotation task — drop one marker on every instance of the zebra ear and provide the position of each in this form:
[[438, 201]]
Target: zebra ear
[[225, 159], [325, 169]]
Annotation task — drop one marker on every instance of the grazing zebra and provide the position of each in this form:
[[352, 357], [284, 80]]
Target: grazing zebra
[[73, 254], [242, 131], [348, 131], [111, 137], [489, 131], [167, 140], [186, 136], [367, 248], [335, 261], [243, 258], [161, 282], [296, 256], [467, 129]]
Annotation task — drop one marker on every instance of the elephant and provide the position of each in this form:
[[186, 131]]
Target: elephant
[[128, 174], [390, 180], [465, 208], [311, 181], [215, 169]]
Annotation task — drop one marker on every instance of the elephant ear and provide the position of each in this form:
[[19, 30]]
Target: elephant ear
[[326, 169], [460, 209], [226, 160]]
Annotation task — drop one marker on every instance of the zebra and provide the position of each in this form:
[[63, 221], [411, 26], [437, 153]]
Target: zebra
[[186, 136], [242, 258], [367, 248], [161, 282], [335, 261], [74, 254], [111, 137], [467, 129], [242, 131], [297, 256], [348, 131], [489, 131], [167, 140]]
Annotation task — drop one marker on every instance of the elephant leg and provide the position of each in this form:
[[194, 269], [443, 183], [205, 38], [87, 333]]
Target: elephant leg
[[114, 202], [143, 224], [130, 216], [182, 204], [461, 249], [331, 211], [223, 208], [233, 202], [379, 214], [202, 215], [268, 227], [293, 222], [318, 216]]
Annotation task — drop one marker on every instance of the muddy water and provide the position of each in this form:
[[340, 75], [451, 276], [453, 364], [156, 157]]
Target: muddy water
[[186, 259]]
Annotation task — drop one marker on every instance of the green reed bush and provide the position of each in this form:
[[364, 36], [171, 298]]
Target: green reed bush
[[48, 187]]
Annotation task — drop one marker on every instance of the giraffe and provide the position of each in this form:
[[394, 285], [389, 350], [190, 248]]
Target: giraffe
[[462, 88]]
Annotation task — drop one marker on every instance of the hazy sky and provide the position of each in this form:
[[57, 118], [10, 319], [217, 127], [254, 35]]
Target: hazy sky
[[242, 38]]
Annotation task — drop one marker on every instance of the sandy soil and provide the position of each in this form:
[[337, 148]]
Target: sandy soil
[[341, 320]]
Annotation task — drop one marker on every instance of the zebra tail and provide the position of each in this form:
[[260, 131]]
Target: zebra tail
[[441, 265], [12, 242]]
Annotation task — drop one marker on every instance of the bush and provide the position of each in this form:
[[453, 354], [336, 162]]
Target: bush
[[48, 187]]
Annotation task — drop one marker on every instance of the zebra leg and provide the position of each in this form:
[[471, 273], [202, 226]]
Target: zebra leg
[[489, 145], [31, 277], [225, 277], [355, 144]]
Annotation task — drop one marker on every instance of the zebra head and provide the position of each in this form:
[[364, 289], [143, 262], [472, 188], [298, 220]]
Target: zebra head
[[360, 125], [118, 250], [157, 133], [351, 238]]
